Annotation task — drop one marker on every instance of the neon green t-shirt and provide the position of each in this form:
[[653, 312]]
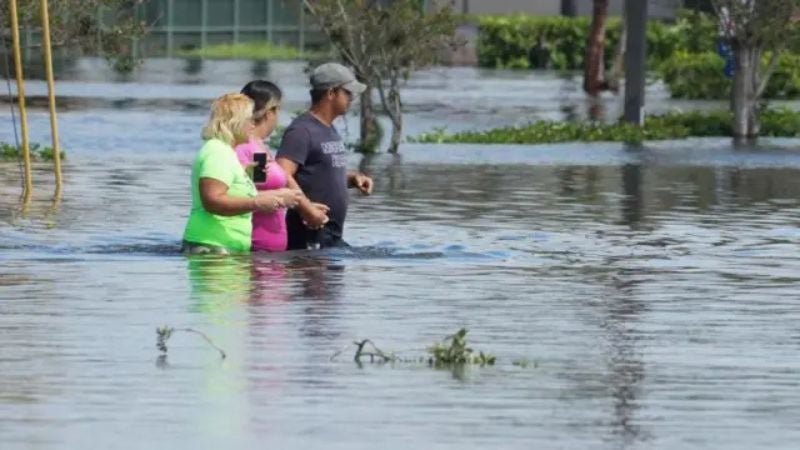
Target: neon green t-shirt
[[217, 160]]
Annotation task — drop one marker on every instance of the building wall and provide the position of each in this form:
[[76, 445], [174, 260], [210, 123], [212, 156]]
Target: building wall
[[177, 24], [658, 8]]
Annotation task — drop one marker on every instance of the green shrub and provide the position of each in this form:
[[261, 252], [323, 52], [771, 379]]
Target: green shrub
[[524, 41], [781, 122], [695, 32], [785, 81], [677, 125], [695, 76], [701, 76]]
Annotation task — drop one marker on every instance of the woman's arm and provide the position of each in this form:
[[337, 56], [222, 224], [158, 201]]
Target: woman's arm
[[215, 198]]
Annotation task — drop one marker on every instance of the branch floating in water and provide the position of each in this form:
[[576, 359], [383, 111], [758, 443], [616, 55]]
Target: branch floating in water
[[164, 333]]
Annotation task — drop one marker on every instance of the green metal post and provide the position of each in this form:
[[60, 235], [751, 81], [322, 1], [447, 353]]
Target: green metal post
[[270, 21], [236, 21], [203, 23], [302, 28], [170, 17]]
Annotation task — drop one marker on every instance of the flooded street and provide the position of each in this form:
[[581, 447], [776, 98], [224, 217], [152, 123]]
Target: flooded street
[[653, 290]]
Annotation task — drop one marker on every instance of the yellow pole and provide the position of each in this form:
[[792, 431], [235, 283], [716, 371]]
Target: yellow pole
[[51, 95], [23, 115]]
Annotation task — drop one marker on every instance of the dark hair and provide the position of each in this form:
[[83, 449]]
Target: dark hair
[[317, 95], [262, 93]]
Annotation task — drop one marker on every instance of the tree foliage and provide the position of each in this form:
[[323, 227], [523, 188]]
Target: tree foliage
[[756, 23], [385, 41], [753, 28], [103, 27]]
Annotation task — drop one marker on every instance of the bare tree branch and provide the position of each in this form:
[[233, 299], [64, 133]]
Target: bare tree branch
[[765, 76]]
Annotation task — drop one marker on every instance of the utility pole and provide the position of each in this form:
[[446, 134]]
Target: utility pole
[[568, 8], [635, 60]]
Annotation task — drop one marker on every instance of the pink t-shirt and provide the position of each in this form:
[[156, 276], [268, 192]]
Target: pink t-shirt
[[269, 229]]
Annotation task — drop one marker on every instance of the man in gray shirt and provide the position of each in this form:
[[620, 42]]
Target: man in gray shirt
[[315, 159]]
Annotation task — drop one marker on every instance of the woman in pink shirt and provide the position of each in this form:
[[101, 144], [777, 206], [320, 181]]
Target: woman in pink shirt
[[269, 228]]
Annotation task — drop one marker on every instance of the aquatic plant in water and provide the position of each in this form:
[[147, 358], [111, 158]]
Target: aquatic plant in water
[[452, 351], [777, 122]]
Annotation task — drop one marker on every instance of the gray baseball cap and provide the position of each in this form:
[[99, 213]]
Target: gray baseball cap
[[334, 75]]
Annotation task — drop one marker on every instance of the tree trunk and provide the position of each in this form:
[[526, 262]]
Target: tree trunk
[[396, 115], [745, 92], [594, 67], [394, 108], [368, 140], [397, 134]]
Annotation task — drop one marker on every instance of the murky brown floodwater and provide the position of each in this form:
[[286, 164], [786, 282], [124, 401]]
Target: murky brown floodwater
[[655, 289]]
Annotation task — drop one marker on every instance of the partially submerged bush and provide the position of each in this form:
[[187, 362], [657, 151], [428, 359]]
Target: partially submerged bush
[[9, 152], [453, 350]]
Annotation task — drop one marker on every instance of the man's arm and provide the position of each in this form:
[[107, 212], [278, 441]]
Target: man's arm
[[315, 214], [360, 181]]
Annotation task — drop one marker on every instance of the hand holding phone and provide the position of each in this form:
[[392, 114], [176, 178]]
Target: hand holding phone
[[260, 169]]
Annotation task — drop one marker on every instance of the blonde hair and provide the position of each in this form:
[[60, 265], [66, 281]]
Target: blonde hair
[[230, 115], [261, 114]]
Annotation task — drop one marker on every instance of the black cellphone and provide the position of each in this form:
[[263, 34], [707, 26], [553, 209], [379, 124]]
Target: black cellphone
[[259, 171]]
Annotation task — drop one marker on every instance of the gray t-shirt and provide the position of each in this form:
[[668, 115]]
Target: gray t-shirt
[[321, 156]]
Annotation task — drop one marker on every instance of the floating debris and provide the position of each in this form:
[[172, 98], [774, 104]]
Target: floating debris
[[164, 333], [524, 363]]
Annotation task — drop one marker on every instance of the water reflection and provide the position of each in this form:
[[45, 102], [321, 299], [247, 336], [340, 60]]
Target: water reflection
[[633, 202], [624, 359], [260, 69], [321, 286], [222, 282], [596, 109], [219, 282], [193, 66]]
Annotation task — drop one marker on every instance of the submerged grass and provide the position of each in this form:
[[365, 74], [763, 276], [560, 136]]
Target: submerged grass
[[10, 152], [781, 122], [249, 50], [450, 352]]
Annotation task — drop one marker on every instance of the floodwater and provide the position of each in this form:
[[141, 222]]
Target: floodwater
[[653, 291], [457, 99]]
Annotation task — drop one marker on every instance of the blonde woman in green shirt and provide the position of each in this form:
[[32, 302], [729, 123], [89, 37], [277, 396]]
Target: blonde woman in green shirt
[[223, 195]]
